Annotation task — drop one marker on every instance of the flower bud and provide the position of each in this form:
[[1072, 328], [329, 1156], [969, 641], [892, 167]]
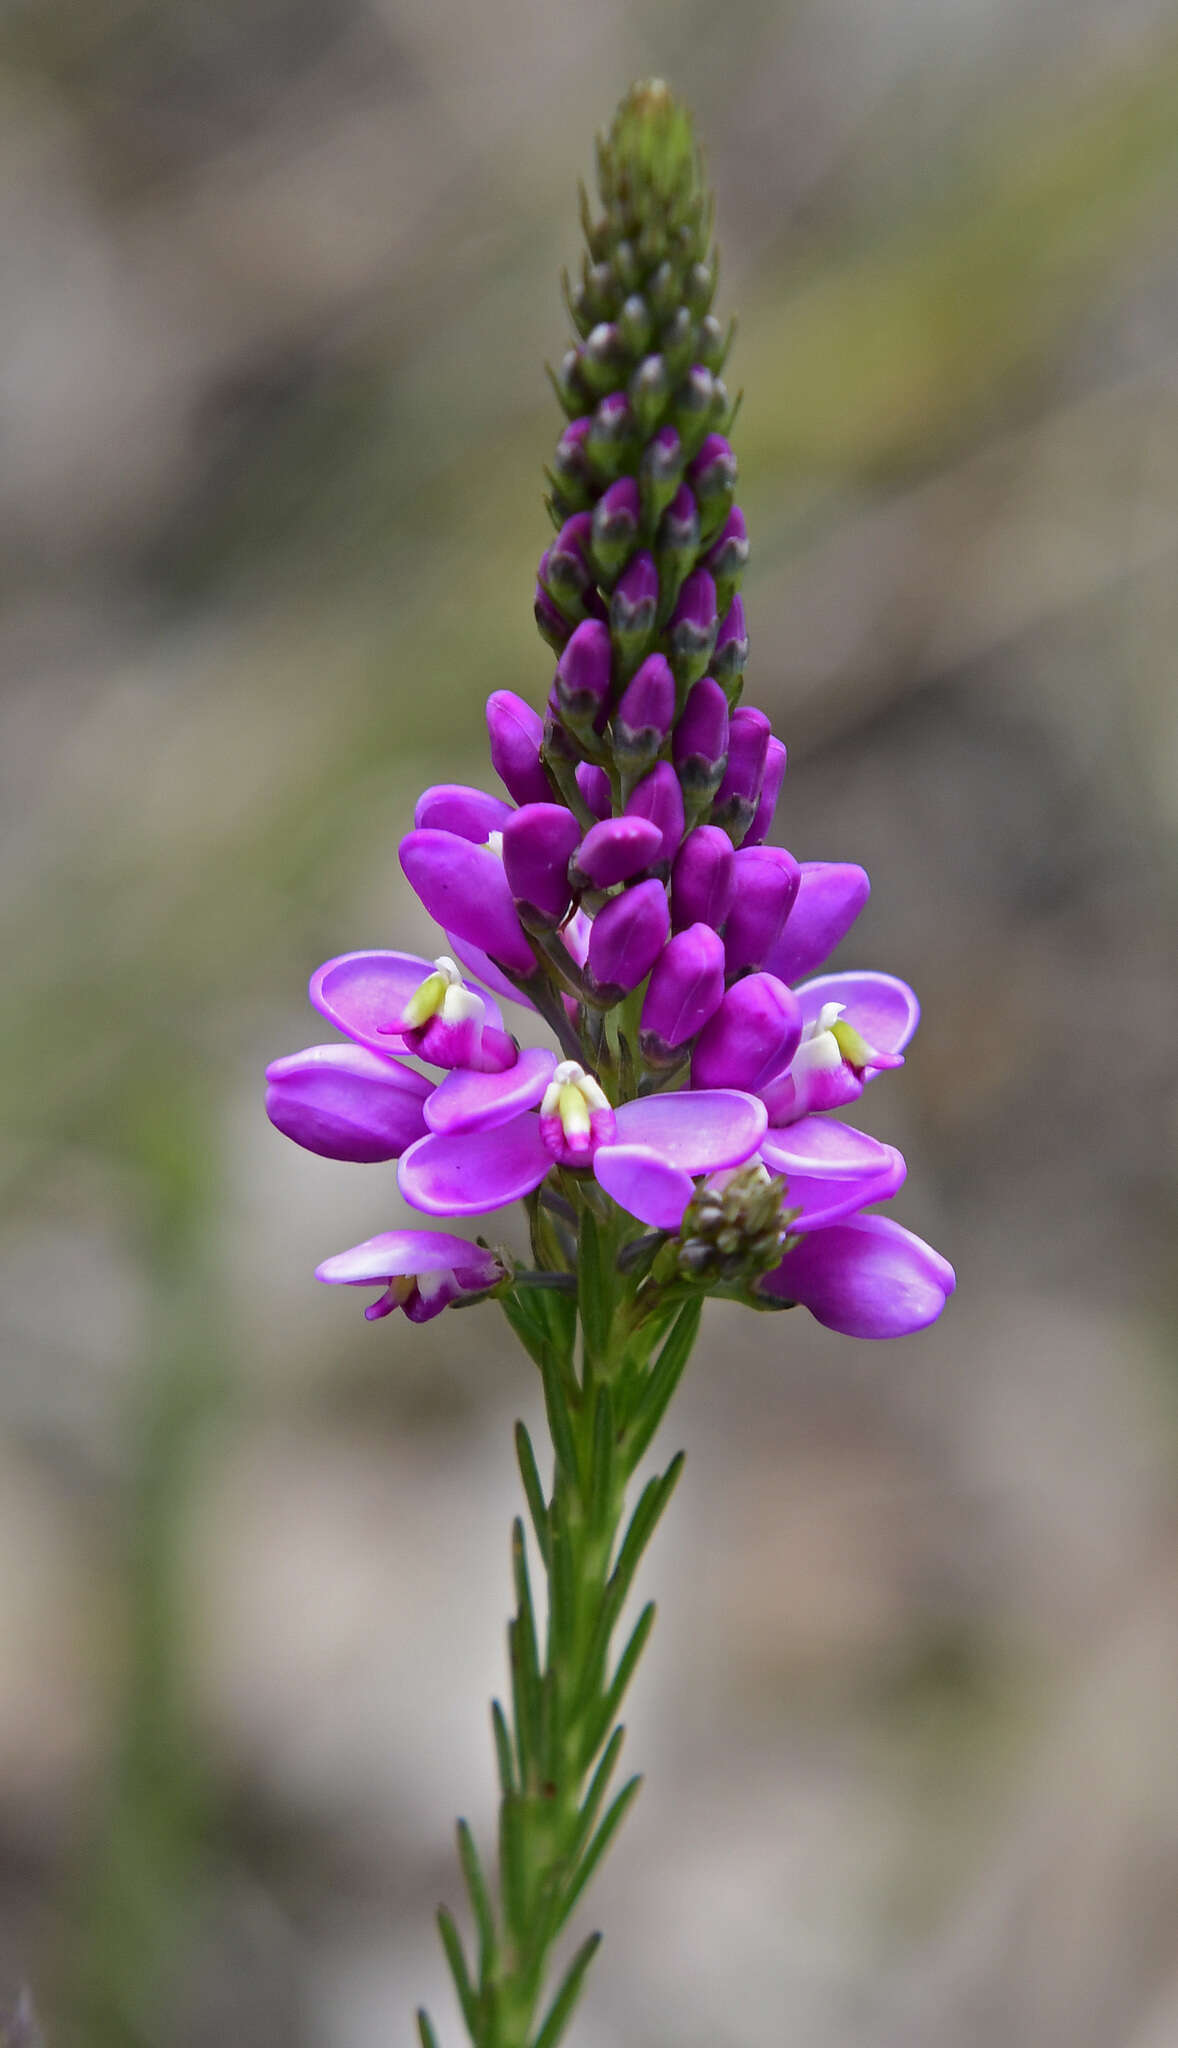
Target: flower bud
[[694, 409], [345, 1102], [700, 746], [515, 733], [632, 611], [727, 558], [610, 435], [659, 473], [615, 851], [713, 343], [686, 989], [635, 324], [702, 879], [568, 384], [615, 528], [829, 899], [771, 782], [593, 783], [605, 359], [626, 938], [553, 625], [564, 570], [698, 287], [691, 633], [643, 716], [766, 885], [659, 798], [537, 842], [739, 793], [677, 542], [570, 464], [712, 476], [582, 681], [677, 342], [648, 391], [662, 291], [752, 1037], [730, 659]]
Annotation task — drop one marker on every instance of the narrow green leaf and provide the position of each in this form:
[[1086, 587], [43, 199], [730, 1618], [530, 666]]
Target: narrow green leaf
[[425, 2031], [619, 1684], [503, 1750], [480, 1901], [664, 1377], [556, 1408], [600, 1843], [513, 1862], [643, 1523], [591, 1805], [561, 1582], [524, 1314], [533, 1490], [458, 1970], [525, 1663], [560, 2012]]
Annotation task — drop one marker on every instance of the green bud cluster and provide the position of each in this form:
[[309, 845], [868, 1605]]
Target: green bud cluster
[[732, 1234], [643, 390]]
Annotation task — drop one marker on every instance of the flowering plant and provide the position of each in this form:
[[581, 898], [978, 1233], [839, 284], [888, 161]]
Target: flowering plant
[[675, 1139]]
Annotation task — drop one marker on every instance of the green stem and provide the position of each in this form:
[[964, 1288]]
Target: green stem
[[559, 1746]]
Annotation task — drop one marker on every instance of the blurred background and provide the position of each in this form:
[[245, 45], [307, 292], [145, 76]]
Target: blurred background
[[279, 281]]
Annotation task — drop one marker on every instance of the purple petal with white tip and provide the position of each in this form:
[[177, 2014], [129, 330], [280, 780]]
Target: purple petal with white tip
[[463, 1176], [698, 1130], [362, 992], [466, 1101], [880, 1007], [865, 1278], [645, 1184], [830, 896]]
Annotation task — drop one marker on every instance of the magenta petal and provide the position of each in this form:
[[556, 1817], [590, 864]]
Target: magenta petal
[[880, 1007], [467, 1101], [456, 807], [345, 1102], [396, 1254], [484, 969], [866, 1278], [830, 896], [698, 1129], [645, 1184], [464, 888], [360, 992], [821, 1147], [822, 1201], [463, 1176]]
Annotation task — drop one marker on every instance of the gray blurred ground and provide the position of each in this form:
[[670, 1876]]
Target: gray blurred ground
[[278, 282]]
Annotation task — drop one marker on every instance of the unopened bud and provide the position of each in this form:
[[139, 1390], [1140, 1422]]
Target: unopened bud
[[633, 610], [626, 938], [583, 676], [616, 519], [702, 879], [659, 798], [691, 633], [727, 558], [538, 840], [731, 654], [739, 793], [686, 989], [700, 747], [659, 473], [643, 717], [771, 782]]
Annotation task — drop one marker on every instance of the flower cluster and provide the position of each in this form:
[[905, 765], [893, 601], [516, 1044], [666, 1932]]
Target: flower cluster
[[624, 893]]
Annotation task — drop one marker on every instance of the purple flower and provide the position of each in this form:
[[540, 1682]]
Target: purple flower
[[660, 798], [830, 896], [771, 781], [626, 938], [615, 850], [702, 879], [854, 1026], [752, 1037], [593, 784], [484, 1151], [739, 793], [765, 885], [866, 1277], [345, 1102], [644, 714], [691, 634], [399, 1002], [583, 675], [538, 841], [465, 890], [515, 732], [686, 988], [700, 746], [730, 658], [454, 807], [422, 1271]]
